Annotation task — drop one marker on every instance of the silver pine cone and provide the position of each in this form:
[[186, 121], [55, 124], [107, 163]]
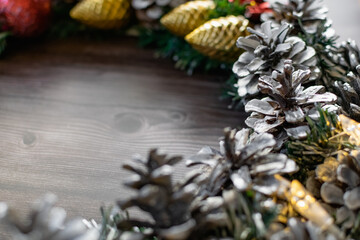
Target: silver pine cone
[[337, 183], [288, 103], [46, 222], [297, 228], [349, 94], [245, 161], [150, 11], [265, 51], [304, 15], [348, 88], [176, 209], [348, 55]]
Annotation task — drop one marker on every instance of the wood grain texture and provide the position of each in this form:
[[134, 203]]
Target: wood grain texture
[[72, 111]]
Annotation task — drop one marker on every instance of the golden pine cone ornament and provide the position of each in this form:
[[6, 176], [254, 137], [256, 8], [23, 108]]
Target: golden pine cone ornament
[[188, 16], [217, 38], [102, 14]]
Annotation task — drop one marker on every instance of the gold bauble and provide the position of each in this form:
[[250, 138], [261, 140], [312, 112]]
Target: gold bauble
[[102, 14], [217, 38], [188, 16]]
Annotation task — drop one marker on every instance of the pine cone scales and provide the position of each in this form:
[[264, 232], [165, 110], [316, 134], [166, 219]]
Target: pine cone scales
[[221, 42], [188, 16], [349, 88], [339, 186], [156, 193], [288, 103], [244, 159], [150, 11], [176, 209], [299, 229], [154, 169], [265, 51], [349, 94], [46, 222], [349, 55], [309, 12]]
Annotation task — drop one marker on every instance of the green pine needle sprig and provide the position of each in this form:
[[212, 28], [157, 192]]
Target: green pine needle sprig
[[225, 8], [3, 41], [355, 231], [319, 40], [242, 221], [64, 26], [324, 45], [110, 218], [230, 92], [325, 139], [173, 47]]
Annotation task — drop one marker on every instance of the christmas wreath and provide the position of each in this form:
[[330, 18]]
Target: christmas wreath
[[294, 173]]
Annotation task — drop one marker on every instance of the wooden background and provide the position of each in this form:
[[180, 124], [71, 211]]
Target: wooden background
[[72, 111]]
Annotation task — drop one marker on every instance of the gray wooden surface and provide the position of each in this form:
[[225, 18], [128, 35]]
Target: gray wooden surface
[[72, 111]]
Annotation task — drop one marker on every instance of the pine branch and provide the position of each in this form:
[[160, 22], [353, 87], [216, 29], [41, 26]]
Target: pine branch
[[325, 139], [355, 231], [3, 43], [324, 45], [225, 8], [64, 26], [230, 92], [111, 217], [242, 216], [185, 57]]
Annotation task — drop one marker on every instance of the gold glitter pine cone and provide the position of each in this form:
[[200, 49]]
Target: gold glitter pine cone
[[188, 16], [102, 14], [217, 38]]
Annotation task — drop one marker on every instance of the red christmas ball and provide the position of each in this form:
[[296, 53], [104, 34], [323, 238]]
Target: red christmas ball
[[25, 18]]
